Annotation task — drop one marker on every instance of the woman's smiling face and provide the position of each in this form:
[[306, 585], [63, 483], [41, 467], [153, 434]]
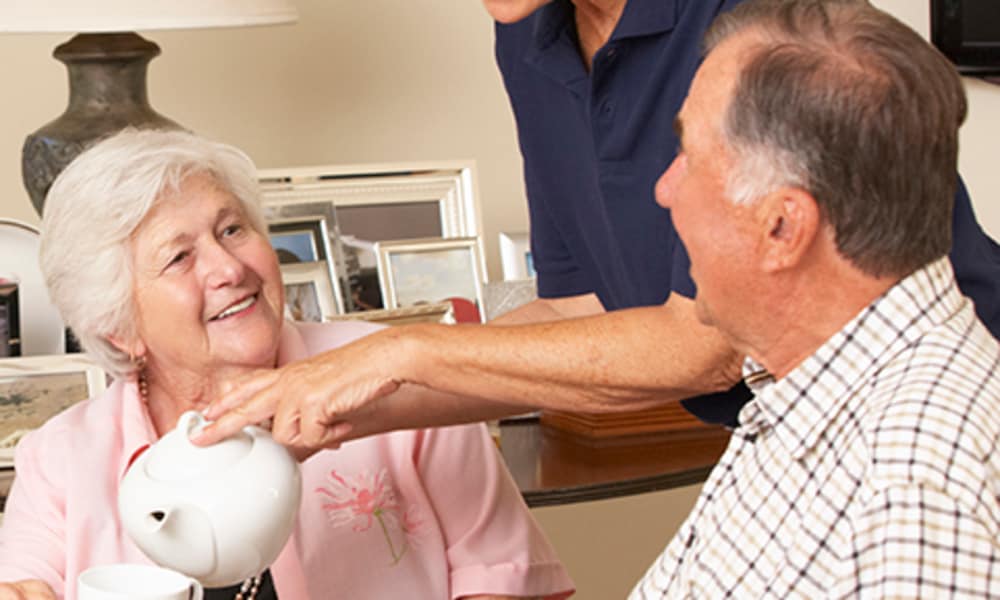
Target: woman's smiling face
[[208, 289]]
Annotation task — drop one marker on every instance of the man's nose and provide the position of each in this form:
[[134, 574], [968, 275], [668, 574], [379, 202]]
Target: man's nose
[[664, 189]]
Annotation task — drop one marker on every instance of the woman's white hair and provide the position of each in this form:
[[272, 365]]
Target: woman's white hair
[[93, 208]]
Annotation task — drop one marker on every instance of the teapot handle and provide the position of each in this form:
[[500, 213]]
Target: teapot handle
[[188, 422], [197, 593]]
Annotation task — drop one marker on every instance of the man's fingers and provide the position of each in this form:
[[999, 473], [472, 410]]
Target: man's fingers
[[229, 423], [235, 393]]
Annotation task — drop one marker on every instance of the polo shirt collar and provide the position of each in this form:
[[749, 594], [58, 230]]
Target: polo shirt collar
[[640, 17], [646, 17], [550, 21], [803, 404]]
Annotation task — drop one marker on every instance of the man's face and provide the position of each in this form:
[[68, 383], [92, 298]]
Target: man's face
[[718, 234], [512, 11]]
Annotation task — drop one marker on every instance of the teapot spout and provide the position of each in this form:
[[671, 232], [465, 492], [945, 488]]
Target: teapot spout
[[155, 520]]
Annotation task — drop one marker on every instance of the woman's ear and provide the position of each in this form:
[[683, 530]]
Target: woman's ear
[[134, 348], [791, 221]]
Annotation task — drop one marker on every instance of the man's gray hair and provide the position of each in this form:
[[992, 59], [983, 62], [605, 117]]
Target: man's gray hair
[[841, 99], [96, 204]]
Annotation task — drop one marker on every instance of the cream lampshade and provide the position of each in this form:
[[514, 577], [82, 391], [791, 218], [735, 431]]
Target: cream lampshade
[[107, 64]]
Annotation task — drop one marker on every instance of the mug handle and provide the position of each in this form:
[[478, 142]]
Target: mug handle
[[196, 592]]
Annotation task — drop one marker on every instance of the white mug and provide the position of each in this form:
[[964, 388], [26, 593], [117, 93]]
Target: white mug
[[136, 582]]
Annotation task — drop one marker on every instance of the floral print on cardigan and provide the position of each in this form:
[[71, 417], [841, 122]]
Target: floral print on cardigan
[[368, 498]]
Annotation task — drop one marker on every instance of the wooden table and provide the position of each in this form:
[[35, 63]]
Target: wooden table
[[553, 467]]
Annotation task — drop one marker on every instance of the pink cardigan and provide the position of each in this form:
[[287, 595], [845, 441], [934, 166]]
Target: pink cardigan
[[428, 514]]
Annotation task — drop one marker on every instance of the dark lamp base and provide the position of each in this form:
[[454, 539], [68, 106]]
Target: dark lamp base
[[107, 92]]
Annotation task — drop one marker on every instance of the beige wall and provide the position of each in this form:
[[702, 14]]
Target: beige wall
[[352, 82], [381, 81], [372, 81]]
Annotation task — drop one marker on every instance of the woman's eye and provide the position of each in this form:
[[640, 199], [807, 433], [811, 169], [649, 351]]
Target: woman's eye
[[178, 258], [232, 230]]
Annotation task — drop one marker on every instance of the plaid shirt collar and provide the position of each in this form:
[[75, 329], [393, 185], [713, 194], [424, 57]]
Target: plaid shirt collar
[[808, 399]]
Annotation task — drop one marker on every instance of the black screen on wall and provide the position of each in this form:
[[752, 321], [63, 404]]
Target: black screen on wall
[[968, 33]]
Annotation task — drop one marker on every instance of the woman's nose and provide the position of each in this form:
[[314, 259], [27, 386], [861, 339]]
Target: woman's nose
[[221, 266]]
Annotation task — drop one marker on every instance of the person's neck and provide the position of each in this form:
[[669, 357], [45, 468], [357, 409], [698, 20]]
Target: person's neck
[[595, 21], [170, 394], [807, 313]]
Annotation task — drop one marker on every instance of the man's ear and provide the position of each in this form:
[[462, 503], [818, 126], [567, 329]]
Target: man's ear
[[791, 220]]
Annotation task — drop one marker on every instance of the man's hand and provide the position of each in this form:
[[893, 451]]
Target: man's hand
[[310, 402], [28, 589]]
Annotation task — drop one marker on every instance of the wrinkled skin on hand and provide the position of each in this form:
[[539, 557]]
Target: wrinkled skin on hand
[[315, 403]]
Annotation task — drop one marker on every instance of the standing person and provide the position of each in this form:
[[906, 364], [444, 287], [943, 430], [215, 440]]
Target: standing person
[[595, 86], [162, 233], [866, 465], [598, 240]]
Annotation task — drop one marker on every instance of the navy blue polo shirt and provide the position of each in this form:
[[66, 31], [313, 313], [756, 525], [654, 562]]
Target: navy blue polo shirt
[[593, 145]]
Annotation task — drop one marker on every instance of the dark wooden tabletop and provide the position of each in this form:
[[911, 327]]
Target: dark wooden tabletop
[[552, 467]]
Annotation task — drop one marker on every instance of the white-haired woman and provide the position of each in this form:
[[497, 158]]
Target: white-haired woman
[[155, 251]]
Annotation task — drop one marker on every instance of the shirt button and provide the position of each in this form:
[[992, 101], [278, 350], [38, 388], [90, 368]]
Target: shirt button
[[607, 108]]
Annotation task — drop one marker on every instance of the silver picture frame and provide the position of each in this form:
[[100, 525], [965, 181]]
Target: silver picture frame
[[431, 270], [33, 389], [317, 221], [308, 294]]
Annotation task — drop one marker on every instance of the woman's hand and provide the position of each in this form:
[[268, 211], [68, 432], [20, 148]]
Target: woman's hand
[[313, 402], [27, 589]]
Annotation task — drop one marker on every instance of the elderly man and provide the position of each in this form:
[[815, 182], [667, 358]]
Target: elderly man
[[816, 176], [589, 178]]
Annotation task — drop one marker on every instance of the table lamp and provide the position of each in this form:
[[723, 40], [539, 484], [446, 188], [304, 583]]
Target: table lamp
[[107, 63]]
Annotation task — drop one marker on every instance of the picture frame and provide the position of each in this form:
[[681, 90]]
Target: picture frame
[[380, 202], [431, 270], [10, 322], [515, 255], [36, 388], [439, 312], [312, 223], [300, 239], [308, 294], [374, 200]]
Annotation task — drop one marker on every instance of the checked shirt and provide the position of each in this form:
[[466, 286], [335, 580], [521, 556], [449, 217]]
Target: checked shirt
[[871, 470]]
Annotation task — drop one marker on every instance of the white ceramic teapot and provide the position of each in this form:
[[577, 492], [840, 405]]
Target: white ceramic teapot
[[219, 513]]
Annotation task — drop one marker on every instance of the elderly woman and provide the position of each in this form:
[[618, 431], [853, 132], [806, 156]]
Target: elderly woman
[[155, 251]]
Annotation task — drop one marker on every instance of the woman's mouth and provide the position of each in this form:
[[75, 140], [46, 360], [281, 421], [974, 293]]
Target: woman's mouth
[[235, 308]]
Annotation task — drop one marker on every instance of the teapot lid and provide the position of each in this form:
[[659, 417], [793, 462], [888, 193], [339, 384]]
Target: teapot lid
[[174, 458]]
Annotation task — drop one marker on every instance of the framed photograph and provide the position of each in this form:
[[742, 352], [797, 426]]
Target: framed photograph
[[387, 201], [300, 239], [515, 255], [308, 295], [35, 388], [10, 322], [306, 232], [441, 312], [378, 202], [427, 271]]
